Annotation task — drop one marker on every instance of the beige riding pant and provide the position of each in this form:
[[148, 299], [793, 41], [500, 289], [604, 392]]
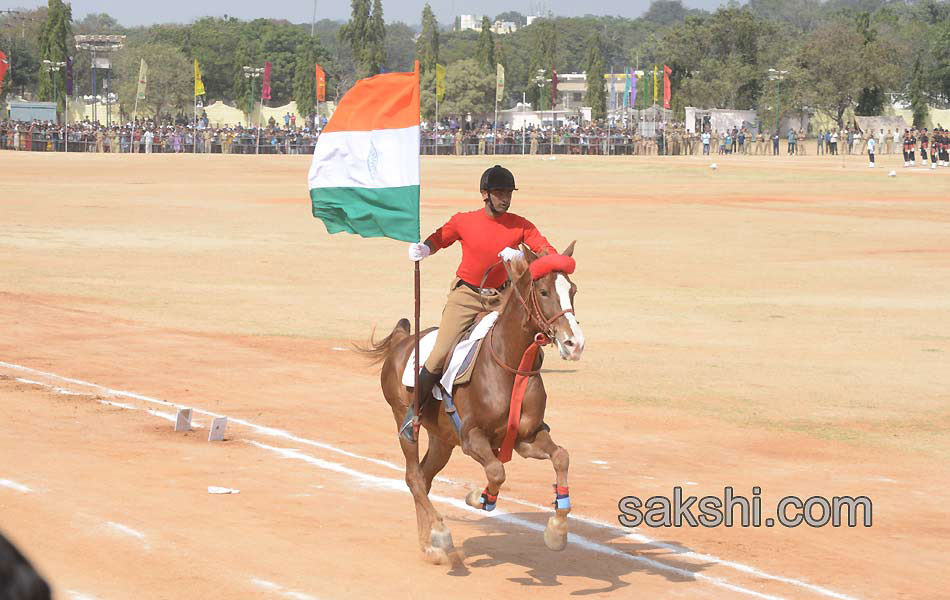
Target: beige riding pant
[[461, 308]]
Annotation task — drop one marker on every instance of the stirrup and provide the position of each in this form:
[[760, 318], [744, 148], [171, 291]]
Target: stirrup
[[405, 430]]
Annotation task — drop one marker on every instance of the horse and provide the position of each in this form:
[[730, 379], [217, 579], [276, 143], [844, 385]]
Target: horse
[[539, 308]]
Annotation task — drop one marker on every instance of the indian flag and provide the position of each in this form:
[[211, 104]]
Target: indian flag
[[364, 178]]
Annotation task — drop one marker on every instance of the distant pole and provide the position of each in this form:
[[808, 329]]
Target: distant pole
[[313, 19], [522, 123]]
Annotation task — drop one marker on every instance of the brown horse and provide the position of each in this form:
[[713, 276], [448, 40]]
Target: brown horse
[[533, 306]]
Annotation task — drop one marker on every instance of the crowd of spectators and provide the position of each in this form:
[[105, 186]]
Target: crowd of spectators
[[449, 138]]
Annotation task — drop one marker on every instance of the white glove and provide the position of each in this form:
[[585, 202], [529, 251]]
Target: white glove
[[418, 251], [509, 254]]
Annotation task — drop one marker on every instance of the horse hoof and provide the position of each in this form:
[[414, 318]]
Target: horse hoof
[[437, 556], [440, 537], [555, 534], [474, 499]]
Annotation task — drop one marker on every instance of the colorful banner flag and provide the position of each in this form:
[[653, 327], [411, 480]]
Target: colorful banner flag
[[633, 89], [321, 84], [364, 178], [4, 65], [612, 105], [439, 82], [626, 88], [553, 88], [666, 86], [143, 81], [69, 76], [499, 81], [656, 88], [265, 87], [199, 86]]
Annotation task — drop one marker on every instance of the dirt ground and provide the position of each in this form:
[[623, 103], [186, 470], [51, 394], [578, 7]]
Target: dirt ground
[[778, 322]]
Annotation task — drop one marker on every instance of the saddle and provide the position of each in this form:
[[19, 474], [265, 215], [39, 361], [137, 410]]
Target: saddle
[[457, 369]]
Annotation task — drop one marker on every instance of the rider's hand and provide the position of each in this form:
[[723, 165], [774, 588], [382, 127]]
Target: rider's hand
[[509, 254], [418, 251]]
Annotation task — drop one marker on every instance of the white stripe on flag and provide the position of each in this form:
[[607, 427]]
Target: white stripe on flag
[[380, 158]]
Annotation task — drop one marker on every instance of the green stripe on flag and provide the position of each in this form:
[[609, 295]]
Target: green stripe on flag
[[370, 212]]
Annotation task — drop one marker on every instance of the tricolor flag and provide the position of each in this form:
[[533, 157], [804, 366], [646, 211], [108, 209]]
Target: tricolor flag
[[364, 178]]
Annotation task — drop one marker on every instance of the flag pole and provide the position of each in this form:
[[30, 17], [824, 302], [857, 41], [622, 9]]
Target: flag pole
[[194, 133], [260, 117], [417, 393]]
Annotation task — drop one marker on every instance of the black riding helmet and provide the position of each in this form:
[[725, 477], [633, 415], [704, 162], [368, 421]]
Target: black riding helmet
[[497, 178]]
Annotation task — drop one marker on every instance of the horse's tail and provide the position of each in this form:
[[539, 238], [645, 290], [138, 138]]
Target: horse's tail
[[377, 352]]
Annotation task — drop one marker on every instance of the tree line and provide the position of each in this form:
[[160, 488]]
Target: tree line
[[836, 55]]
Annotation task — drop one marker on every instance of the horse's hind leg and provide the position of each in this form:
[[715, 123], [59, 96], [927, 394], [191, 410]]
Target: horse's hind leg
[[543, 447], [477, 445], [437, 456], [434, 537]]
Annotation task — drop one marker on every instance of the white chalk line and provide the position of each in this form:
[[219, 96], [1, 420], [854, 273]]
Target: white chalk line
[[13, 485], [126, 530], [398, 485], [279, 589], [638, 537], [74, 595]]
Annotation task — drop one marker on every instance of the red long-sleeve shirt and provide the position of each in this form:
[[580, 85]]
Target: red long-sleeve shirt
[[483, 237]]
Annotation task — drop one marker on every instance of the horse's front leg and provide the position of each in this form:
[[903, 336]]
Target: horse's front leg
[[476, 444], [543, 447]]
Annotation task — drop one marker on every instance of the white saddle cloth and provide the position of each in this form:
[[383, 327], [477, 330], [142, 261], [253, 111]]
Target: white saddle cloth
[[458, 355]]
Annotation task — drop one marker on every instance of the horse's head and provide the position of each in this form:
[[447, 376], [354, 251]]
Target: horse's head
[[549, 298]]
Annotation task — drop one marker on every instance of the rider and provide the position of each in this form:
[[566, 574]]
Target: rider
[[485, 234]]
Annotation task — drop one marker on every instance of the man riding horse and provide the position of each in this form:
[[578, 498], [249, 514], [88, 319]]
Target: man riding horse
[[485, 234], [500, 409]]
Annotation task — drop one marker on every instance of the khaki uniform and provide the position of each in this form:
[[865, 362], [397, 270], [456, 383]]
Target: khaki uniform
[[461, 308]]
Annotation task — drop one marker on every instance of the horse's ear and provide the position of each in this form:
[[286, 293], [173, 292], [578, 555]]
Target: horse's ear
[[569, 251], [516, 267], [529, 254]]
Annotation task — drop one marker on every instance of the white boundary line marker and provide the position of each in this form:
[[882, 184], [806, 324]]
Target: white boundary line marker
[[639, 537]]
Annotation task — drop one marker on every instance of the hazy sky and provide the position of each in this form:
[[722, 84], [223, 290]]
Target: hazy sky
[[137, 12]]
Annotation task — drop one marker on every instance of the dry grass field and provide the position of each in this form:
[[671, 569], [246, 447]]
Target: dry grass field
[[779, 322]]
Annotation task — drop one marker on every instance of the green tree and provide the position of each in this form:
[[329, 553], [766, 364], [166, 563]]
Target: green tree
[[839, 65], [54, 41], [468, 89], [486, 46], [356, 34], [543, 57], [400, 47], [595, 97], [918, 99], [305, 77], [376, 42], [170, 79], [427, 46]]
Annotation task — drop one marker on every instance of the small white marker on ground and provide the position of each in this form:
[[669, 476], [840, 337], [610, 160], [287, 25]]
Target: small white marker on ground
[[218, 425], [183, 420]]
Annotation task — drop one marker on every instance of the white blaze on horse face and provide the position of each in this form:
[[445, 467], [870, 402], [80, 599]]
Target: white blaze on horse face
[[572, 346]]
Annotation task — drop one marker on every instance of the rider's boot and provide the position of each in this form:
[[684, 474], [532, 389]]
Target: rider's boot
[[427, 381]]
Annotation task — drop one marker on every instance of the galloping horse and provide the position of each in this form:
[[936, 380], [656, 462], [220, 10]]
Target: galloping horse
[[539, 308]]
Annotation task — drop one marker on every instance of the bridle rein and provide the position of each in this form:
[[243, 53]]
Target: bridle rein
[[532, 307]]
